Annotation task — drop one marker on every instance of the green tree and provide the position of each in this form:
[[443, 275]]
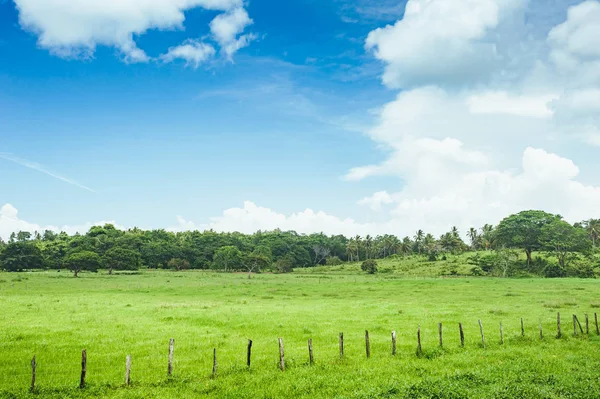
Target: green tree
[[227, 258], [21, 255], [369, 266], [563, 240], [119, 258], [259, 259], [523, 231], [84, 260]]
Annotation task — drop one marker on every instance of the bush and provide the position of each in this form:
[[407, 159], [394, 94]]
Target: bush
[[333, 261], [284, 265], [554, 271], [369, 266], [477, 271]]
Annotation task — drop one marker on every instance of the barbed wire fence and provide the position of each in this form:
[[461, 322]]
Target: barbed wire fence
[[47, 369]]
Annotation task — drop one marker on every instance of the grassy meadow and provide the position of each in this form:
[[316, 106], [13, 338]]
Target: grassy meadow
[[55, 316]]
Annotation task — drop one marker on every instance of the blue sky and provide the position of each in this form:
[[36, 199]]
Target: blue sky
[[296, 105]]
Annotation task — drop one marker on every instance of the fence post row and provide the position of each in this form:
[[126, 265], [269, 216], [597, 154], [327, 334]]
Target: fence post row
[[576, 325]]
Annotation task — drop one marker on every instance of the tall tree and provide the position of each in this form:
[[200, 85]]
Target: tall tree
[[563, 239], [523, 230]]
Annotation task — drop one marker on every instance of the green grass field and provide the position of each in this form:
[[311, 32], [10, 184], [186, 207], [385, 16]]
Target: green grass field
[[55, 316]]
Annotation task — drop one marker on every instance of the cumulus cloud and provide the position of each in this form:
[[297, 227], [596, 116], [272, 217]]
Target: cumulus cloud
[[73, 28], [472, 110], [226, 27], [440, 40], [193, 52], [11, 223]]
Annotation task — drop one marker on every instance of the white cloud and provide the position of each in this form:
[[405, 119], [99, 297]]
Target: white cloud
[[11, 223], [193, 52], [456, 144], [440, 40], [227, 26], [73, 28], [377, 200]]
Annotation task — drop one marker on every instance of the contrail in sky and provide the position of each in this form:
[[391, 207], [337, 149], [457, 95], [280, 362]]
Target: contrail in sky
[[40, 168]]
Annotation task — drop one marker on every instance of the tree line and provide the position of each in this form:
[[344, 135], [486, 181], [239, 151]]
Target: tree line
[[106, 247]]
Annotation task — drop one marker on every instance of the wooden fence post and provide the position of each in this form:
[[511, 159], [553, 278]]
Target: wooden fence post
[[501, 335], [522, 328], [393, 343], [440, 334], [559, 332], [576, 323], [128, 370], [311, 359], [419, 349], [171, 350], [214, 373], [341, 345], [83, 369], [462, 335], [367, 344], [249, 355], [596, 320], [587, 325], [281, 355], [541, 331], [33, 366], [482, 336]]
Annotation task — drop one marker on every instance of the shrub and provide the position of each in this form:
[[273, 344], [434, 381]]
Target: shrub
[[477, 271], [369, 266], [333, 261], [284, 265], [554, 271]]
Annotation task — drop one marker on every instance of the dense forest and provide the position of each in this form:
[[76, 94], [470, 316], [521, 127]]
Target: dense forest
[[502, 250]]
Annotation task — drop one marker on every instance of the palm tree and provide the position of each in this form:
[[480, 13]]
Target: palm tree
[[593, 228], [368, 245], [419, 240], [474, 237]]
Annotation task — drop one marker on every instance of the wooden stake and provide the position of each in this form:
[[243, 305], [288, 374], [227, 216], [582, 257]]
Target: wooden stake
[[419, 349], [440, 334], [83, 369], [482, 336], [311, 359], [171, 350], [341, 345], [367, 344], [501, 335], [596, 320], [33, 366], [214, 373], [522, 328], [128, 370], [575, 324], [541, 331], [462, 334], [393, 343], [281, 355], [558, 333], [249, 353], [587, 325]]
